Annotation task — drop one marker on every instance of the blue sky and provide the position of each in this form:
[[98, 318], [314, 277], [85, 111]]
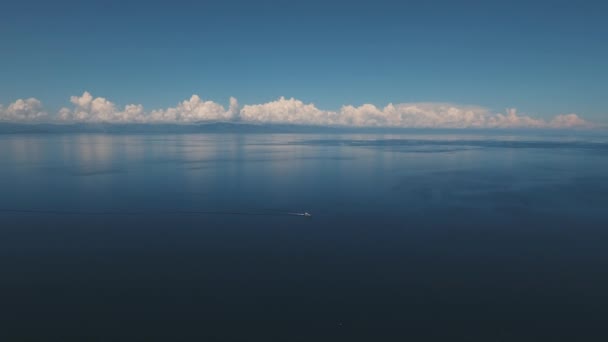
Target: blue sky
[[545, 58]]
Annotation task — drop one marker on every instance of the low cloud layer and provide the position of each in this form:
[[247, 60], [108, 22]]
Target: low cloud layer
[[89, 109]]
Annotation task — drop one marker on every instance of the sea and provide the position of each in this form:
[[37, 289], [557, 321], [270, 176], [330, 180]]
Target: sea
[[412, 236]]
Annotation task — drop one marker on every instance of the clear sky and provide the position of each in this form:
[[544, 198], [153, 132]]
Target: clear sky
[[545, 58]]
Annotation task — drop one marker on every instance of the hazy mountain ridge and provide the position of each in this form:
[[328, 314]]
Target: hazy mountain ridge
[[18, 128], [228, 127]]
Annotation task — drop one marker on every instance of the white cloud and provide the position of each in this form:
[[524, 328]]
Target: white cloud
[[28, 110], [406, 115], [286, 111], [401, 115], [195, 110], [87, 108], [417, 115], [568, 120]]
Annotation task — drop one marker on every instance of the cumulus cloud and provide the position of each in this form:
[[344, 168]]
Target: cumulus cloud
[[195, 110], [568, 120], [286, 111], [406, 115], [416, 115], [28, 110], [90, 109], [87, 108]]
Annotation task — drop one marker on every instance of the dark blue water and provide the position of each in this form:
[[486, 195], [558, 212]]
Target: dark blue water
[[413, 237]]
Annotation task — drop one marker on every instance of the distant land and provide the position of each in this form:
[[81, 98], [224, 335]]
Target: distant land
[[216, 127], [231, 127]]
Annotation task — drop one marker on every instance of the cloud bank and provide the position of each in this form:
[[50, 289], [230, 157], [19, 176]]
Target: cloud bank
[[89, 109]]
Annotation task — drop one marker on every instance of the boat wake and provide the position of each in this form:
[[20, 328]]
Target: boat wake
[[154, 212]]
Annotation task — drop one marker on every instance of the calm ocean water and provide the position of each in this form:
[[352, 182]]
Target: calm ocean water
[[442, 237]]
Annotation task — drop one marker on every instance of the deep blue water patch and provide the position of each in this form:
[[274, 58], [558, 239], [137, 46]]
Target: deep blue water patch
[[412, 237]]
